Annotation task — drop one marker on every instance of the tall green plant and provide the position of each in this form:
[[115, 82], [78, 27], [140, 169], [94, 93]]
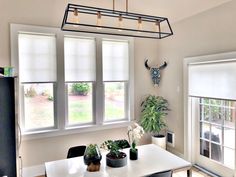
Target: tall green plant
[[154, 110]]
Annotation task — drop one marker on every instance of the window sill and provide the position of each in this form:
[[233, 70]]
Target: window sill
[[74, 130]]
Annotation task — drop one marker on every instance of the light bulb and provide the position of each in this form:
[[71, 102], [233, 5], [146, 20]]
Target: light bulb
[[76, 17], [140, 26], [99, 20], [120, 22], [157, 26]]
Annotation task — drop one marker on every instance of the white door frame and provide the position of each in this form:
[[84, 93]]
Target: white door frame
[[188, 114]]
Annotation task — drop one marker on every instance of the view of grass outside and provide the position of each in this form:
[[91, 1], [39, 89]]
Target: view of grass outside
[[38, 106], [80, 103], [39, 103], [114, 100]]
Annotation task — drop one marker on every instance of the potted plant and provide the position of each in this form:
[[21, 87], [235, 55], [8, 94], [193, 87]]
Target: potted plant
[[154, 110], [115, 158], [92, 157], [135, 133]]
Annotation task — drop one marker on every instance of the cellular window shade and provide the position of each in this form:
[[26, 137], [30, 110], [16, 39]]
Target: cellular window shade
[[37, 57], [115, 56], [214, 80], [80, 59]]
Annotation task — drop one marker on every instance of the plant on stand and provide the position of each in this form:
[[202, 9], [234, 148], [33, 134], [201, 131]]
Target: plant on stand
[[154, 111], [135, 133], [115, 158]]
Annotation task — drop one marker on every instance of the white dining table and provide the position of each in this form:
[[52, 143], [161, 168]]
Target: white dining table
[[151, 159]]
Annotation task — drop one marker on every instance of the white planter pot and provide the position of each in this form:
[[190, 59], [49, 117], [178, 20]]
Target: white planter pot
[[160, 141]]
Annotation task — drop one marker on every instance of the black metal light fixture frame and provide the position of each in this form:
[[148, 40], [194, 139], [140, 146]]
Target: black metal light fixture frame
[[162, 22]]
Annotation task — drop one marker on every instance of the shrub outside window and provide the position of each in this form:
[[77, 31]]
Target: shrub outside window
[[80, 103]]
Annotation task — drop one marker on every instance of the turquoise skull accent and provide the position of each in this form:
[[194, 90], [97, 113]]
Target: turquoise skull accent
[[155, 72], [156, 76]]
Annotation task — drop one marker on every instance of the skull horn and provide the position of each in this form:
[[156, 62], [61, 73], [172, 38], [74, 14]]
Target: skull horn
[[146, 65], [163, 66]]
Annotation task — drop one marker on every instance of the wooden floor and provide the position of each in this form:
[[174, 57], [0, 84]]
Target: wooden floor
[[196, 173]]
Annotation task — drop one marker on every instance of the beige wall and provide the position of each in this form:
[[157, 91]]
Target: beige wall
[[211, 32], [50, 13]]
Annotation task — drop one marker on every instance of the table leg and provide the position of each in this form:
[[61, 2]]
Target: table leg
[[189, 172]]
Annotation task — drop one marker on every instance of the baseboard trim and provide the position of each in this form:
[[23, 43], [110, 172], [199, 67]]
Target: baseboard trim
[[206, 171], [33, 171], [175, 152]]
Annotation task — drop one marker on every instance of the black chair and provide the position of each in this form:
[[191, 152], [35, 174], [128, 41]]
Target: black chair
[[123, 143], [76, 151], [162, 174]]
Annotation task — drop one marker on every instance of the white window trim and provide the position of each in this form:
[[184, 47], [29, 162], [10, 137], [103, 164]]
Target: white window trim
[[60, 124], [188, 122]]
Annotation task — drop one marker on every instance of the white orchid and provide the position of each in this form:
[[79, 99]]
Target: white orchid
[[135, 133]]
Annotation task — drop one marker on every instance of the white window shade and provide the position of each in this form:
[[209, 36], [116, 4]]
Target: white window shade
[[214, 80], [80, 59], [115, 56], [37, 57]]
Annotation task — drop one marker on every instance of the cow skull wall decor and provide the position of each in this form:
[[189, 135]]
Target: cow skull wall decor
[[155, 72]]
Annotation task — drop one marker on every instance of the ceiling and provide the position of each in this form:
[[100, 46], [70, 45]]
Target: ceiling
[[175, 10]]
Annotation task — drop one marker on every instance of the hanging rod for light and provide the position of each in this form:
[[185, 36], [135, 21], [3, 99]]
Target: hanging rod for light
[[79, 18]]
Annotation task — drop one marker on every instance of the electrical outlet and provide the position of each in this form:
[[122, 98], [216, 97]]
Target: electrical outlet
[[170, 139]]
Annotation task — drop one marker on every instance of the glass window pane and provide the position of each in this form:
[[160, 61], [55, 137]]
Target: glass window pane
[[230, 118], [205, 130], [215, 102], [115, 56], [216, 114], [114, 100], [216, 134], [80, 59], [229, 157], [204, 112], [37, 57], [216, 152], [204, 148], [229, 137], [38, 106], [80, 103]]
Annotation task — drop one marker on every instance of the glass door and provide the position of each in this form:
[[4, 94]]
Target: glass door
[[214, 146]]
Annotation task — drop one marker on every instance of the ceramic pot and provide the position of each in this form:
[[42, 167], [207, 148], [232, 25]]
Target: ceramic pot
[[133, 154], [116, 162], [159, 140]]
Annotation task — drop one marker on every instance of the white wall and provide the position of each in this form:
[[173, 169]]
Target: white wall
[[211, 32], [50, 13]]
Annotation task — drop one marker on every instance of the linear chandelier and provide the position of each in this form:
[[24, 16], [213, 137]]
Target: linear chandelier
[[79, 18]]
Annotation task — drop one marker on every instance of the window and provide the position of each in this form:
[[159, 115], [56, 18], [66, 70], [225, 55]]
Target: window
[[37, 68], [217, 130], [80, 75], [38, 105], [71, 82], [115, 78]]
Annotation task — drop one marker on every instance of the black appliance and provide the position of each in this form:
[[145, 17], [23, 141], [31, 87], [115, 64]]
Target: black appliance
[[7, 128]]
